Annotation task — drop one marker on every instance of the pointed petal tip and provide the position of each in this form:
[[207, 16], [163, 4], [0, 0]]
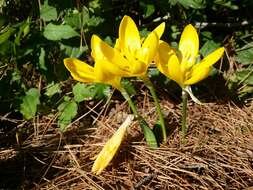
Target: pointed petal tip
[[111, 147], [159, 30]]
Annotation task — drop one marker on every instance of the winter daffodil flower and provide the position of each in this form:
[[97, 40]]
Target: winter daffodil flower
[[104, 71], [181, 65], [110, 66], [140, 52], [111, 147]]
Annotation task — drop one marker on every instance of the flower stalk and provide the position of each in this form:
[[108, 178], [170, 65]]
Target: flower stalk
[[151, 88], [184, 115], [148, 133]]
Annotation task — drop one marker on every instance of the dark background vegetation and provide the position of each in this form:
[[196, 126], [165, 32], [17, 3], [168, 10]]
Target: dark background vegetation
[[35, 37]]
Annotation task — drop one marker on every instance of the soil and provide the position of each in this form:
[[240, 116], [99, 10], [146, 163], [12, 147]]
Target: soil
[[217, 154]]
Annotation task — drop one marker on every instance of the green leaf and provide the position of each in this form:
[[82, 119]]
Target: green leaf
[[6, 47], [15, 76], [209, 47], [83, 92], [147, 7], [73, 19], [71, 51], [42, 64], [245, 76], [59, 32], [148, 134], [48, 13], [53, 89], [95, 21], [245, 56], [29, 103], [195, 4], [128, 86], [67, 111], [24, 29], [8, 31], [77, 19], [101, 91]]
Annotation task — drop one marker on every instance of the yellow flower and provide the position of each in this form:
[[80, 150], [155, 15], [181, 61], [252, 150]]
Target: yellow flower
[[139, 52], [106, 69], [181, 66], [111, 147], [129, 58]]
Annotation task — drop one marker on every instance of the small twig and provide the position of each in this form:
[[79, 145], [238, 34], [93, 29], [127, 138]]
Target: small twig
[[145, 180]]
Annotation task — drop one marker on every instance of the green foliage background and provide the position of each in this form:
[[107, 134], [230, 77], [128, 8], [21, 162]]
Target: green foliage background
[[35, 37]]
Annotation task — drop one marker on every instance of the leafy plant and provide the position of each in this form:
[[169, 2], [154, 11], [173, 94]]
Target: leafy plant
[[29, 103]]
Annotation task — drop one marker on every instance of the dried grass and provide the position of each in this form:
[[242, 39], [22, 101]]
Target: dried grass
[[218, 153]]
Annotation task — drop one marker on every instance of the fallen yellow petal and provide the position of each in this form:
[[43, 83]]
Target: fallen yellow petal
[[111, 147]]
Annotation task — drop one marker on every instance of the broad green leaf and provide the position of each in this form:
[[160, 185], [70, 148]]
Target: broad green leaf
[[245, 56], [6, 47], [94, 5], [226, 4], [29, 103], [83, 92], [77, 19], [95, 21], [59, 32], [8, 31], [209, 47], [67, 111], [195, 4], [52, 89], [90, 91], [42, 64], [101, 91], [147, 7], [72, 51], [48, 13], [73, 19], [24, 29], [148, 134]]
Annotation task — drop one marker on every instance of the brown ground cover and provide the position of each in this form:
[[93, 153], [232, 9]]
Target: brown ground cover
[[218, 153]]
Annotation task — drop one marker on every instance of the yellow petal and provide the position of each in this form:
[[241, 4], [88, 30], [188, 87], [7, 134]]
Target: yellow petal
[[129, 37], [115, 62], [111, 147], [104, 73], [117, 45], [149, 48], [174, 70], [162, 57], [189, 45], [80, 70], [198, 74], [200, 71], [212, 58], [138, 68], [159, 30]]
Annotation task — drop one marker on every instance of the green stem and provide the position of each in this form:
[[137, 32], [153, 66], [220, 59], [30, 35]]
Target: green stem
[[148, 133], [151, 88], [130, 102], [184, 114]]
